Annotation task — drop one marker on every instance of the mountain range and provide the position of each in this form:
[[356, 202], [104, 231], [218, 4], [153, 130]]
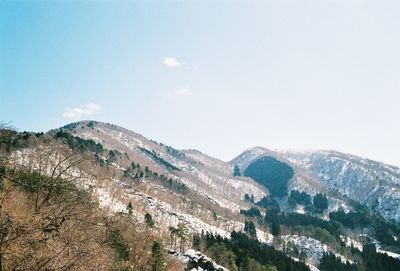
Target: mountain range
[[211, 195]]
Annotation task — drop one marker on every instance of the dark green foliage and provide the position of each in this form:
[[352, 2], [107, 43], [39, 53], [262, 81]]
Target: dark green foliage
[[222, 255], [252, 212], [329, 262], [236, 171], [297, 197], [250, 229], [129, 207], [362, 217], [271, 207], [158, 159], [271, 173], [292, 202], [384, 235], [352, 219], [215, 216], [173, 151], [248, 198], [268, 202], [149, 220], [158, 259], [34, 182], [249, 253], [295, 219], [173, 184], [10, 139], [196, 241], [80, 144], [373, 261], [118, 244], [320, 202], [203, 263], [70, 126], [271, 215], [90, 124], [135, 172], [275, 228]]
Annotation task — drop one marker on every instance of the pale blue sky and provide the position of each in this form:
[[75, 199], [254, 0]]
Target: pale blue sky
[[218, 77]]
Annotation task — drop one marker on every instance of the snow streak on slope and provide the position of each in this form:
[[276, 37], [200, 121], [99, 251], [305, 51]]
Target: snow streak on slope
[[217, 184], [372, 183]]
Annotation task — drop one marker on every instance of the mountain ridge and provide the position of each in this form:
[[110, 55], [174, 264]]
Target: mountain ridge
[[188, 187]]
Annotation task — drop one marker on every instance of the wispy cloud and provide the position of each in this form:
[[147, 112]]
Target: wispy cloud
[[184, 92], [86, 110], [171, 62]]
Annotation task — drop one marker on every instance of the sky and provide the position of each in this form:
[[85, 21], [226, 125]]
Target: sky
[[219, 77]]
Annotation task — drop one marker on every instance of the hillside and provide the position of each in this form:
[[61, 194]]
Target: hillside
[[285, 204], [363, 180]]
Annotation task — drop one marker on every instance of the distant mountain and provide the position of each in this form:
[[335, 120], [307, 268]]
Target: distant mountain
[[301, 180], [369, 182]]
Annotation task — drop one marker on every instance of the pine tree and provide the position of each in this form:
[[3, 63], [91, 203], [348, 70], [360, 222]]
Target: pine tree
[[320, 201], [250, 229], [149, 220], [196, 242], [130, 208], [236, 171], [158, 262], [275, 228]]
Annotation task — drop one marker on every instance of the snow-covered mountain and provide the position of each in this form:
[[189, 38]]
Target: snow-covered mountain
[[214, 196], [370, 182], [205, 175], [302, 179]]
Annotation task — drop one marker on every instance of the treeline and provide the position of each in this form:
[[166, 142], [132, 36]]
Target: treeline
[[384, 231], [295, 219], [329, 262], [252, 212], [242, 252], [158, 159], [105, 158], [318, 205], [297, 197], [11, 139], [136, 172], [374, 261], [369, 260], [80, 144], [328, 232]]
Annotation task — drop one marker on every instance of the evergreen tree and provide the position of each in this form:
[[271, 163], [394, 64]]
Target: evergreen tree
[[247, 198], [196, 242], [275, 228], [158, 262], [250, 229], [236, 171], [130, 208], [149, 220], [320, 202]]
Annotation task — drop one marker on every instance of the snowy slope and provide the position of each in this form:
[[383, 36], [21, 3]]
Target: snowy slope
[[372, 183], [205, 175]]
